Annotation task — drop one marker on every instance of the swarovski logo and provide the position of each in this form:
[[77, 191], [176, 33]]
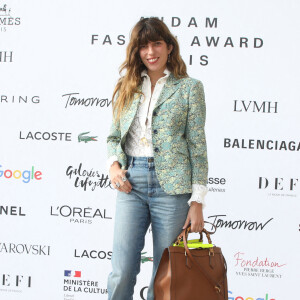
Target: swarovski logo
[[24, 249]]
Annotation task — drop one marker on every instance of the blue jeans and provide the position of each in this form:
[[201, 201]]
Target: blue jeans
[[146, 203]]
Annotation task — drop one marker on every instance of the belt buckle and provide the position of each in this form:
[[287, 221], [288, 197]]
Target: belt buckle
[[150, 159]]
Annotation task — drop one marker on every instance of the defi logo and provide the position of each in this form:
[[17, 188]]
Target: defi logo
[[248, 298], [26, 175]]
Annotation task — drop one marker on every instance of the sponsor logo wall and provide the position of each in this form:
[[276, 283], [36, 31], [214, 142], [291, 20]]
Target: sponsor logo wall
[[58, 68]]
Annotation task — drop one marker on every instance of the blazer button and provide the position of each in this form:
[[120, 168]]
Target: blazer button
[[155, 131], [156, 149], [154, 113]]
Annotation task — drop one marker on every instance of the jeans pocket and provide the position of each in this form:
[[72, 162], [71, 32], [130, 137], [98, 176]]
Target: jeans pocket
[[128, 168]]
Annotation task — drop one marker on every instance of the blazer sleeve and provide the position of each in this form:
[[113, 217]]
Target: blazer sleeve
[[195, 134], [114, 137]]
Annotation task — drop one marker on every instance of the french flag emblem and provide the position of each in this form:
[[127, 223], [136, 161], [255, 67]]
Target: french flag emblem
[[69, 273]]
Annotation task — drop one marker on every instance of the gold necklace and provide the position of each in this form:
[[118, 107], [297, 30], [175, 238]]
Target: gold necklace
[[144, 139]]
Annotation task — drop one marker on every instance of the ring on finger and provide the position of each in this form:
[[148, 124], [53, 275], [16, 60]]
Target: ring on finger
[[118, 184], [124, 179]]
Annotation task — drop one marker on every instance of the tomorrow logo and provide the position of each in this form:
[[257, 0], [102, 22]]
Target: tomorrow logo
[[17, 174], [238, 224]]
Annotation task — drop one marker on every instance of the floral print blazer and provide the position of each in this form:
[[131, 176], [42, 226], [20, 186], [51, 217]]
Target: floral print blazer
[[178, 136]]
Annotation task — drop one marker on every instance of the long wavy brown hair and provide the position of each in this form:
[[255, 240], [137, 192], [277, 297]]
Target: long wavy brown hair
[[146, 30]]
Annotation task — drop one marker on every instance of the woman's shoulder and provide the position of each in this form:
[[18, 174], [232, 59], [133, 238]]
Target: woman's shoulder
[[190, 82]]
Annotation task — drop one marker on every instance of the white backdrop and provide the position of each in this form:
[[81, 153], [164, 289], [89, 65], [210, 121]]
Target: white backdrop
[[56, 203]]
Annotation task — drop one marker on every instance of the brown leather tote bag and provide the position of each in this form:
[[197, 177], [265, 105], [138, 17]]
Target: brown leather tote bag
[[191, 274]]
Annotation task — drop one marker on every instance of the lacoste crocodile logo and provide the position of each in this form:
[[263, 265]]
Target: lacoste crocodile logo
[[146, 258], [82, 137]]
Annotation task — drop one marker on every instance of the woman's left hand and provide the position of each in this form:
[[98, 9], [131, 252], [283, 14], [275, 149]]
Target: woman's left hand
[[195, 217]]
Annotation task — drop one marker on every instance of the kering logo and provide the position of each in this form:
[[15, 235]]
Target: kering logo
[[6, 56], [17, 281], [231, 297], [19, 99], [24, 249], [11, 211], [219, 182], [237, 224], [79, 215], [261, 144], [6, 18], [83, 137], [277, 183], [46, 136], [83, 178], [94, 254], [75, 101], [17, 174], [253, 106]]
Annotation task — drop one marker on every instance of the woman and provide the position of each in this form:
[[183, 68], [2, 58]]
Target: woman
[[157, 153]]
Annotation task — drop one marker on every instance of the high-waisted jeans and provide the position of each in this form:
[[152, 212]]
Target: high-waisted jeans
[[146, 203]]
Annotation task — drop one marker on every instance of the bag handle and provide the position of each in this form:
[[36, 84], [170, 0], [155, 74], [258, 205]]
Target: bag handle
[[207, 233], [184, 235]]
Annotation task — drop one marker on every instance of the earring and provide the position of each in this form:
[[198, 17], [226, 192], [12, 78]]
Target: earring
[[168, 57]]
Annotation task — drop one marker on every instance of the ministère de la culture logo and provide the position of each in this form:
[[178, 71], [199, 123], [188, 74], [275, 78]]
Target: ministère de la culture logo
[[198, 44], [75, 282], [279, 186]]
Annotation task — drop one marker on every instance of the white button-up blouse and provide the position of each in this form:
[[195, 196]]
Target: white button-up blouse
[[138, 129]]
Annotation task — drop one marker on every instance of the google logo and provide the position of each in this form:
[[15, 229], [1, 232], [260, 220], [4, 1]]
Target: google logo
[[25, 175], [249, 298]]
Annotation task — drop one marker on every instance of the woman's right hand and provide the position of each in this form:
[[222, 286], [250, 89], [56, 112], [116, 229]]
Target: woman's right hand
[[116, 174]]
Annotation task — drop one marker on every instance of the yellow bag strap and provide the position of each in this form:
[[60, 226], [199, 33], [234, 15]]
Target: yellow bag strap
[[194, 244]]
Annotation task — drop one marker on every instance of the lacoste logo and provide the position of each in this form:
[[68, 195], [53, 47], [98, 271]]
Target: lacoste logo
[[146, 258], [82, 137]]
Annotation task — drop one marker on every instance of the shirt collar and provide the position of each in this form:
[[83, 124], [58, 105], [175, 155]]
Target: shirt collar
[[166, 72]]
